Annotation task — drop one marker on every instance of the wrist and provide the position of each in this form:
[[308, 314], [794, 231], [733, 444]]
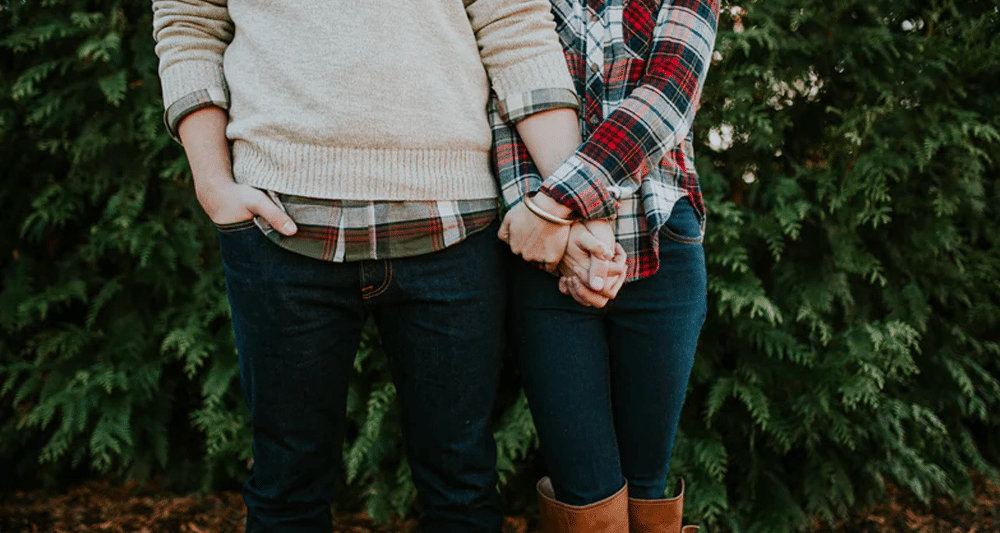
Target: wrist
[[545, 202], [544, 215], [211, 182], [211, 191]]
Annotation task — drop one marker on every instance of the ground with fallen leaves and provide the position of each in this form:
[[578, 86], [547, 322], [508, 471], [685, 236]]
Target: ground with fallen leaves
[[903, 513], [104, 506]]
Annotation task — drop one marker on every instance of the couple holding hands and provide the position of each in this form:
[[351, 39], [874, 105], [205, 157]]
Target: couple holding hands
[[350, 153]]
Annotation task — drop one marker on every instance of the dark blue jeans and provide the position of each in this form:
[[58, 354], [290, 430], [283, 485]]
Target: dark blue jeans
[[298, 323], [606, 386]]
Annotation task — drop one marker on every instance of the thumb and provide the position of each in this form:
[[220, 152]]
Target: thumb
[[278, 219], [598, 273]]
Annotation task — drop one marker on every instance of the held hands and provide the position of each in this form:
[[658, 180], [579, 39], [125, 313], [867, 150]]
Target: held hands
[[591, 264], [589, 271], [536, 240]]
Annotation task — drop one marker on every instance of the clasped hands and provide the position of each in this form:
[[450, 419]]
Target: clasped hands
[[585, 256]]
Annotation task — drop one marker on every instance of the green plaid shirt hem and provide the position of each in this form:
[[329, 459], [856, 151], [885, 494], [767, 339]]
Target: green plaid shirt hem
[[351, 230]]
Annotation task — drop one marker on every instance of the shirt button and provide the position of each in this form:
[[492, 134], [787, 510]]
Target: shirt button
[[594, 68], [594, 17], [594, 120]]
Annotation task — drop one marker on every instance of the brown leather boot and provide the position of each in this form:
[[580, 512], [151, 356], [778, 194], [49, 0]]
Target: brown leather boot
[[609, 515], [658, 516]]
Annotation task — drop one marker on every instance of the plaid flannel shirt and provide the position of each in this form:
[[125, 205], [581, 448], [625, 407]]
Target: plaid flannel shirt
[[639, 67]]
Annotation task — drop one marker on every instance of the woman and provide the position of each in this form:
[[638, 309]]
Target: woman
[[606, 383]]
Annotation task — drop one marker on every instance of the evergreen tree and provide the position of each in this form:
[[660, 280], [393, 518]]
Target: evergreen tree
[[852, 337]]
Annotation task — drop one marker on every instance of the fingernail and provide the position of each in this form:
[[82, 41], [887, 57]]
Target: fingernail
[[597, 283], [288, 228]]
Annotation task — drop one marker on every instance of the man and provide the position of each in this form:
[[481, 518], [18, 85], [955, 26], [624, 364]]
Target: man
[[342, 149]]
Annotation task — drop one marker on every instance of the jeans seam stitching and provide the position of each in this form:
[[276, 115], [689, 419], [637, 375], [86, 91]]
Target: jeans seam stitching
[[385, 284], [364, 282]]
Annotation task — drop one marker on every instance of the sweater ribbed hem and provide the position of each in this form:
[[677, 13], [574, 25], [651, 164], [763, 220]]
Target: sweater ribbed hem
[[344, 173]]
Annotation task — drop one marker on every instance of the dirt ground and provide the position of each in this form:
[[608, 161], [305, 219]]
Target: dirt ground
[[103, 506]]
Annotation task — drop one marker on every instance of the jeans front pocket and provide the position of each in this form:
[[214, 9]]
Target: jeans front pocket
[[685, 225], [233, 227]]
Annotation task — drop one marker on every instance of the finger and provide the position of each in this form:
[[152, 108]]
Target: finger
[[620, 262], [613, 293], [564, 285], [263, 207], [598, 273], [611, 287], [582, 294], [504, 233], [617, 287], [587, 241], [616, 273], [572, 285]]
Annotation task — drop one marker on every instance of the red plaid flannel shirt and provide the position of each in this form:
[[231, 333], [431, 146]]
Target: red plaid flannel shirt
[[639, 67]]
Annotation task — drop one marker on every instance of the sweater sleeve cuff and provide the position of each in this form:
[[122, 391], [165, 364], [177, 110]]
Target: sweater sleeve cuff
[[191, 102], [519, 106], [541, 78], [576, 186]]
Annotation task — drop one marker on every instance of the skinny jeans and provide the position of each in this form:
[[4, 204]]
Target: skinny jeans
[[606, 386]]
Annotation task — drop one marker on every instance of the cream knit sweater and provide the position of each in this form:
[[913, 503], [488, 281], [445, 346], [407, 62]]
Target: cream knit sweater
[[360, 99]]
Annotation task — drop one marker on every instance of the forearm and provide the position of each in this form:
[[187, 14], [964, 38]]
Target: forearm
[[550, 137], [203, 134]]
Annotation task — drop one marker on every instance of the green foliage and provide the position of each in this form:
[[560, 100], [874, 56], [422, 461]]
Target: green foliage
[[852, 262], [849, 153], [103, 257]]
